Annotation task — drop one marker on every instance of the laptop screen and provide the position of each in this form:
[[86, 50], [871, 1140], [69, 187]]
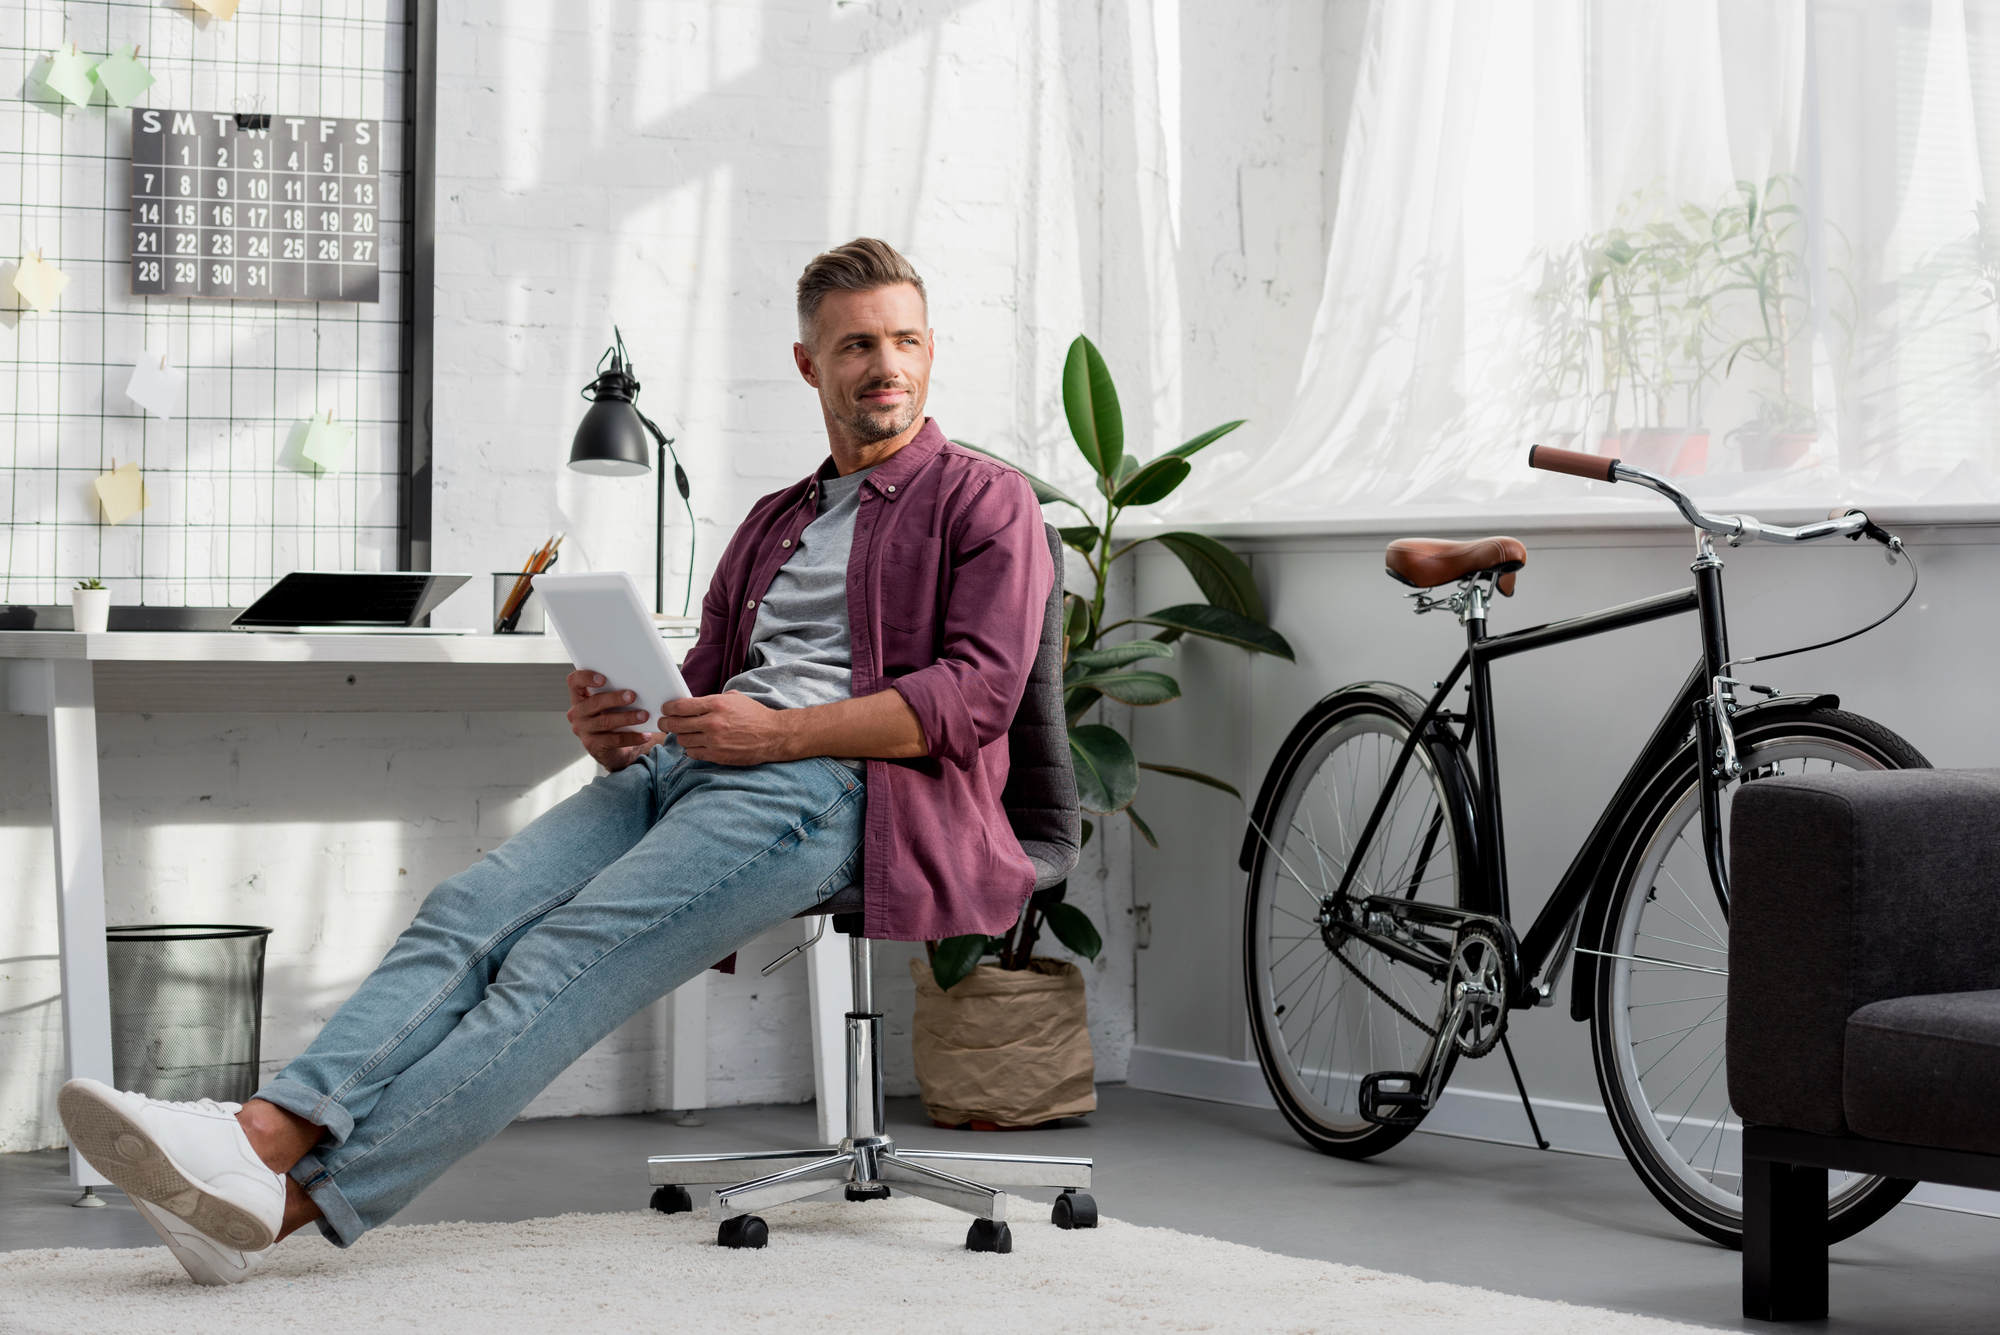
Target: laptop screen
[[350, 598]]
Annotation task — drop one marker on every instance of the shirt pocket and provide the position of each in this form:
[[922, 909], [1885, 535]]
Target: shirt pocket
[[909, 590]]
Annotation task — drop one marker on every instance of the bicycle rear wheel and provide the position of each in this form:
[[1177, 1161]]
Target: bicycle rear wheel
[[1662, 982], [1326, 1007]]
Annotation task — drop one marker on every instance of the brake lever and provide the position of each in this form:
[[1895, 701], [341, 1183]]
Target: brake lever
[[1892, 545]]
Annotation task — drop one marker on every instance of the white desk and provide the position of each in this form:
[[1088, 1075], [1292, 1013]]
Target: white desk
[[69, 678]]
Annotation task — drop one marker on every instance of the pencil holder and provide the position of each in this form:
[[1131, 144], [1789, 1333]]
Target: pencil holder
[[530, 621]]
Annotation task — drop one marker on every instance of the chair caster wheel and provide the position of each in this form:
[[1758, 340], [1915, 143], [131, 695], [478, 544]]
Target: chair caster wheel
[[672, 1200], [989, 1235], [878, 1192], [743, 1230], [1074, 1209]]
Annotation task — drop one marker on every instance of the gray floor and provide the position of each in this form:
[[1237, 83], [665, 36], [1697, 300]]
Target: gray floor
[[1548, 1225]]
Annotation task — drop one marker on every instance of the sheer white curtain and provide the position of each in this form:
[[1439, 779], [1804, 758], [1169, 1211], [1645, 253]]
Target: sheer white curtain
[[1748, 244]]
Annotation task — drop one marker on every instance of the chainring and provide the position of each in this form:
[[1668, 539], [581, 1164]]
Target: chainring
[[1479, 977]]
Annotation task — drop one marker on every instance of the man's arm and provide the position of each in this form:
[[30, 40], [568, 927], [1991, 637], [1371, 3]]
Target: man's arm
[[733, 729]]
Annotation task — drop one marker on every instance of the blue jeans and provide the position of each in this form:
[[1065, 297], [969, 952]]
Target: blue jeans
[[516, 966]]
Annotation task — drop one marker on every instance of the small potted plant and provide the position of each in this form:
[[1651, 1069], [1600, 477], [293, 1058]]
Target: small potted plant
[[1007, 1043], [90, 606]]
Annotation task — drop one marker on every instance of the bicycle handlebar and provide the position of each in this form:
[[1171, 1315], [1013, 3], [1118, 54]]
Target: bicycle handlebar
[[1737, 528]]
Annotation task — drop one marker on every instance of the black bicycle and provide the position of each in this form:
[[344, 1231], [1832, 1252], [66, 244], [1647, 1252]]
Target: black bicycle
[[1378, 944]]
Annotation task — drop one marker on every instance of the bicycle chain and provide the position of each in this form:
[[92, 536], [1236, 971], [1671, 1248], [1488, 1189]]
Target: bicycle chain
[[1392, 1003]]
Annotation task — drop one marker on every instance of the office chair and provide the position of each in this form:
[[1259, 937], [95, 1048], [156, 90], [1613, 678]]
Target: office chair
[[1040, 799]]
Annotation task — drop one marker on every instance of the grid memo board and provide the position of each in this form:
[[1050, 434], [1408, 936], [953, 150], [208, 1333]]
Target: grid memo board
[[232, 503]]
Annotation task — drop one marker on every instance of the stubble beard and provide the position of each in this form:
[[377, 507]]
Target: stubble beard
[[870, 426]]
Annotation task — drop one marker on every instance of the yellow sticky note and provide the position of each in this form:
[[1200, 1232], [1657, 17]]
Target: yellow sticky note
[[122, 493], [222, 9], [38, 281], [69, 76], [326, 444], [123, 77]]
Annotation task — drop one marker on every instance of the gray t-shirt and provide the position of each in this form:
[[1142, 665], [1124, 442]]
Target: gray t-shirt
[[801, 652]]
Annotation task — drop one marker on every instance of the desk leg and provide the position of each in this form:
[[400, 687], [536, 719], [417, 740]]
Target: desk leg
[[687, 1086], [79, 831], [830, 984]]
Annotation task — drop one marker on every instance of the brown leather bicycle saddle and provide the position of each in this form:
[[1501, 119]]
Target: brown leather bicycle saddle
[[1425, 563]]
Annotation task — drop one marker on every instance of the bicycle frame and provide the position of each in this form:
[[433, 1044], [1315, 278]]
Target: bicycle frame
[[1691, 712]]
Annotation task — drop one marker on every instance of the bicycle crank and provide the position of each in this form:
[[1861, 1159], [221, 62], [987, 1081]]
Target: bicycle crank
[[1472, 1018]]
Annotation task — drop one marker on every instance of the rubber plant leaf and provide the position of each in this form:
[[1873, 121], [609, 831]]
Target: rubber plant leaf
[[1155, 482], [957, 957], [1089, 828], [1055, 894], [1207, 438], [1193, 775], [1074, 929], [1046, 493], [1219, 623], [1083, 537], [1090, 401], [1141, 826], [1118, 655], [1107, 773], [1223, 576], [1130, 686]]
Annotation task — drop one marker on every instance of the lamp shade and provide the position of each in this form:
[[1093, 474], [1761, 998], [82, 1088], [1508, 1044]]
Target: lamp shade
[[610, 442]]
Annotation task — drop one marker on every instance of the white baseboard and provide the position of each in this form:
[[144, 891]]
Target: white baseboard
[[1470, 1114]]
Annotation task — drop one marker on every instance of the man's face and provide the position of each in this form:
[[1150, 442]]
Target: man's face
[[870, 360]]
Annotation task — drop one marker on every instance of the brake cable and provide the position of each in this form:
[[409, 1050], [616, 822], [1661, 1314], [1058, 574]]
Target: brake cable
[[1894, 548]]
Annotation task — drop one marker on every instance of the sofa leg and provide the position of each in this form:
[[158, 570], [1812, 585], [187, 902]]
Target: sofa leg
[[1784, 1241]]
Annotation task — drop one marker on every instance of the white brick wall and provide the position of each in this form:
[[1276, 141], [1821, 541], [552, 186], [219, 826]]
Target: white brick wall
[[671, 175]]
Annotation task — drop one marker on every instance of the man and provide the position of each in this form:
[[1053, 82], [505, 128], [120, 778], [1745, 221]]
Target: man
[[864, 645]]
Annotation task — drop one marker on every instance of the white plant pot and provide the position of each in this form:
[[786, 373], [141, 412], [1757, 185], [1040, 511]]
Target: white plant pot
[[90, 610]]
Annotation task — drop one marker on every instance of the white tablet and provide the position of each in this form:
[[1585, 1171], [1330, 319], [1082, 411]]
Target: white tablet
[[605, 628]]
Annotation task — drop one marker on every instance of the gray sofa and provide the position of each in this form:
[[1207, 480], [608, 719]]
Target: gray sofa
[[1864, 1001]]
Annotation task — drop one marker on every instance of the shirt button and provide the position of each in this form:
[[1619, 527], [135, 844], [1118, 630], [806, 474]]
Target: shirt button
[[751, 603], [890, 488], [785, 542]]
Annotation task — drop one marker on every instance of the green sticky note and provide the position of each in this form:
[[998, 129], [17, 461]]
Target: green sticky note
[[69, 76], [326, 444], [123, 77]]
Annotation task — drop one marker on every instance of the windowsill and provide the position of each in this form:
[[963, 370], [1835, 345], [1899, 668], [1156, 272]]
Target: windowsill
[[1641, 516]]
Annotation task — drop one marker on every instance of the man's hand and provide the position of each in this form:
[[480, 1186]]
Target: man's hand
[[729, 729], [598, 720], [733, 729]]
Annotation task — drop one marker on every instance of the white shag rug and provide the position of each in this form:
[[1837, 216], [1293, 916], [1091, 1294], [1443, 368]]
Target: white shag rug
[[891, 1268]]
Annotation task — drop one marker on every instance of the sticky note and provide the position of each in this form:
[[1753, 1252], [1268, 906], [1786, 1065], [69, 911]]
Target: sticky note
[[38, 281], [326, 444], [69, 76], [122, 493], [222, 9], [123, 77], [155, 386]]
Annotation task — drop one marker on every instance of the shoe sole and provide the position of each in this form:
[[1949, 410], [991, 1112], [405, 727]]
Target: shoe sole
[[197, 1269], [126, 1152]]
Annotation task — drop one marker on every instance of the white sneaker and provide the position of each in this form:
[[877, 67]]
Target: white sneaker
[[206, 1260], [191, 1159]]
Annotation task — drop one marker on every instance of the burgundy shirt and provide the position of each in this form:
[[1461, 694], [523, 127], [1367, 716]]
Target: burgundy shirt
[[947, 584]]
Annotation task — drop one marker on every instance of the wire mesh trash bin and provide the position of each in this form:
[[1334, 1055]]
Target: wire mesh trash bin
[[187, 1007]]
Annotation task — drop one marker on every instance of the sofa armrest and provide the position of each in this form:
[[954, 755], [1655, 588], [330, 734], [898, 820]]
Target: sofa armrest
[[1846, 889]]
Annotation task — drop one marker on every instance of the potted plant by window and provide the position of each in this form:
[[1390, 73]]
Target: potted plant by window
[[1007, 1042]]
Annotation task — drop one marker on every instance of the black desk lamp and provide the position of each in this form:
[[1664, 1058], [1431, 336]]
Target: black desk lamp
[[611, 442]]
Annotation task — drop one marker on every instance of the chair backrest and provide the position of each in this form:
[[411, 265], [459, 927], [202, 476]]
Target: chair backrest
[[1040, 796]]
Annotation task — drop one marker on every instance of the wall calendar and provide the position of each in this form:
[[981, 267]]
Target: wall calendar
[[256, 207]]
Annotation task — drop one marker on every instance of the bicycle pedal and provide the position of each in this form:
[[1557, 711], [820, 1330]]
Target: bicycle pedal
[[1373, 1098]]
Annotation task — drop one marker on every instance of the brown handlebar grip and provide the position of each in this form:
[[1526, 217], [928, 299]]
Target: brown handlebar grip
[[1593, 466]]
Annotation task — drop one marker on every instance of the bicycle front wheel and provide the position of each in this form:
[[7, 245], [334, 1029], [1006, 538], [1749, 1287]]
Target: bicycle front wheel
[[1327, 1008], [1663, 981]]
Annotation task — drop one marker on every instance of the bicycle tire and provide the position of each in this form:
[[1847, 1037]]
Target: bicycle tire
[[1665, 1134], [1312, 1070]]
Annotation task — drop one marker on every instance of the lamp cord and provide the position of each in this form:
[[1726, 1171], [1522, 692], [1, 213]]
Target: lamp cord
[[680, 485]]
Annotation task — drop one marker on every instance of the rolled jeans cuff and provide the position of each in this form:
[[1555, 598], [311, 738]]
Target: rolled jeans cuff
[[310, 1104], [337, 1220]]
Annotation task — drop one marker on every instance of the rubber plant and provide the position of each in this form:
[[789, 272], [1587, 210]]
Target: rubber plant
[[1107, 770]]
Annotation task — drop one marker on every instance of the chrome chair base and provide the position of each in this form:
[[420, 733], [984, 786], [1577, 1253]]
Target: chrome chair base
[[735, 1186]]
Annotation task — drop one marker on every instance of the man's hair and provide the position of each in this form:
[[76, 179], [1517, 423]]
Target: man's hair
[[862, 265]]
